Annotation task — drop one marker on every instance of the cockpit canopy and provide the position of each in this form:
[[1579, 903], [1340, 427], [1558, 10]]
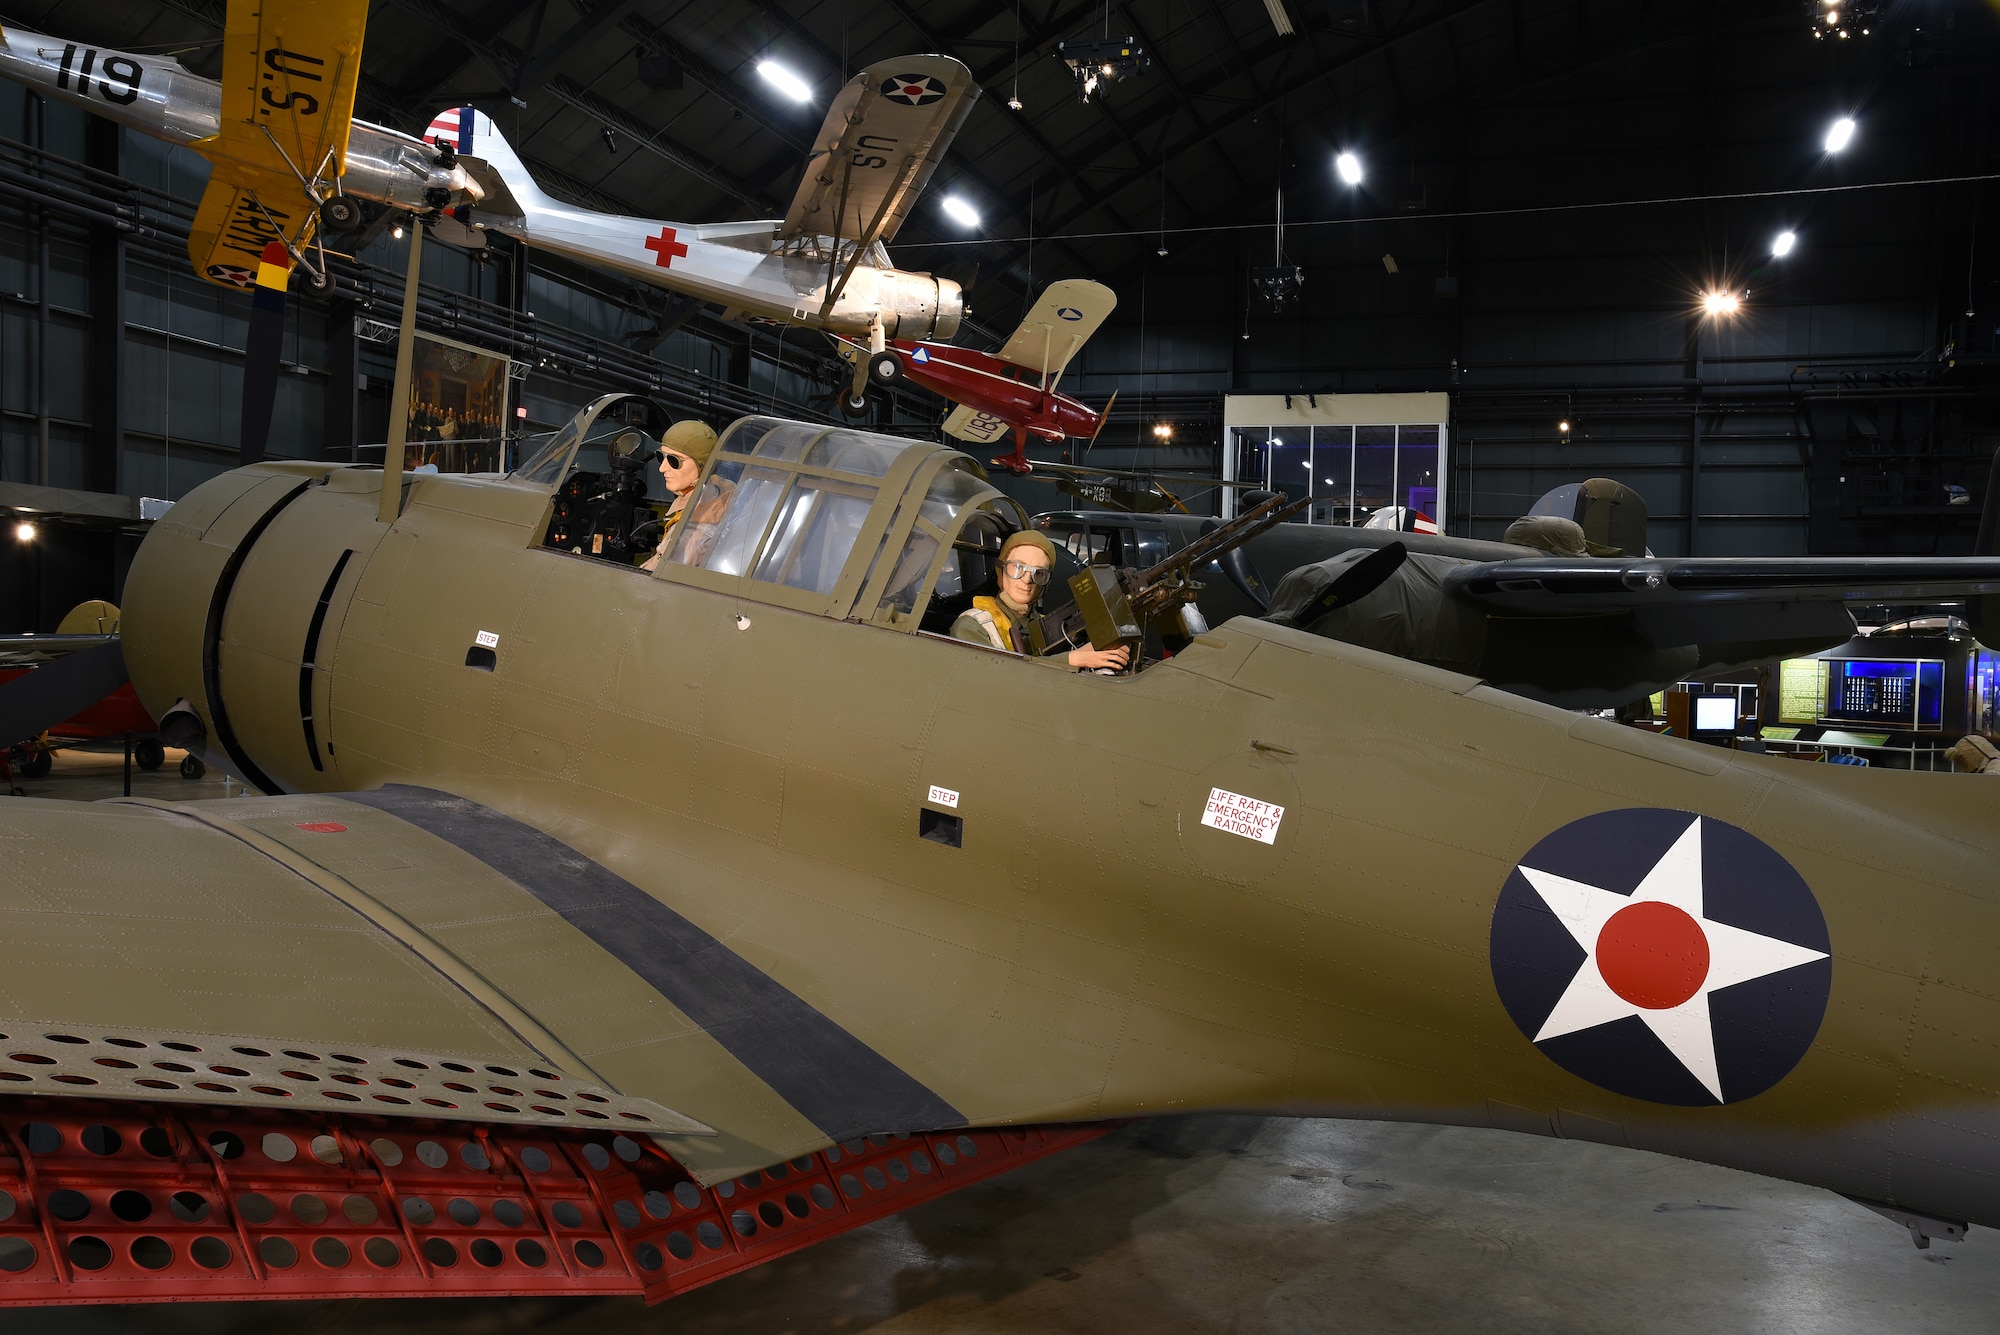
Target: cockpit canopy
[[822, 519]]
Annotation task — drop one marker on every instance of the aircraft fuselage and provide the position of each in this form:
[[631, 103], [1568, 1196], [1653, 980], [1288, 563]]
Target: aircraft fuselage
[[1270, 874]]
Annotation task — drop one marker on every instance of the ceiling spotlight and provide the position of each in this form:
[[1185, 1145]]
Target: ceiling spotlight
[[1721, 303], [1162, 251], [1349, 168], [1014, 102], [1563, 427], [1839, 134], [960, 212], [1782, 243], [786, 82], [1163, 431], [610, 141], [24, 532], [1843, 18], [397, 231]]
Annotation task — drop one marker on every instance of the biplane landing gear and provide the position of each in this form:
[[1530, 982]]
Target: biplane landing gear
[[318, 284], [148, 754], [885, 368], [1017, 462], [342, 213], [192, 768], [38, 765], [852, 405]]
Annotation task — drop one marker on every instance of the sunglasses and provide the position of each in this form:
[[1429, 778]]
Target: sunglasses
[[1035, 575], [672, 460]]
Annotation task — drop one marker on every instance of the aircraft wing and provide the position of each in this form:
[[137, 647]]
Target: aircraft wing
[[1068, 313], [884, 135], [968, 423], [1705, 599], [408, 928], [241, 212], [289, 73]]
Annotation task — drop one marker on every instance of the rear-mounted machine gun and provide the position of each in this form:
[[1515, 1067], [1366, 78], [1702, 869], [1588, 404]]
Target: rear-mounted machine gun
[[1113, 606]]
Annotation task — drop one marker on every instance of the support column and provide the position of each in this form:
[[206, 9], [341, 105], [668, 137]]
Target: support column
[[103, 148], [343, 379]]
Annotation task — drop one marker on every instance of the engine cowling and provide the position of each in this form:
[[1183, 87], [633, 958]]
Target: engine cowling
[[920, 306]]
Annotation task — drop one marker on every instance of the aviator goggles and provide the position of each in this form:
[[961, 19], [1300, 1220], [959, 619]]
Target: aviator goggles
[[1035, 575], [672, 460]]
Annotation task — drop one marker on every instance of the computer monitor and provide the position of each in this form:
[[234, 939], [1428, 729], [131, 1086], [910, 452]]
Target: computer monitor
[[1713, 715]]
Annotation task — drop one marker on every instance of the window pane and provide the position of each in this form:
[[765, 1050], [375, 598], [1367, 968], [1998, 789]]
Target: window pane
[[911, 567], [950, 492], [1332, 473], [851, 452], [1250, 455], [745, 435], [1374, 469], [814, 534], [787, 440], [1291, 464], [1416, 469], [545, 465], [749, 505]]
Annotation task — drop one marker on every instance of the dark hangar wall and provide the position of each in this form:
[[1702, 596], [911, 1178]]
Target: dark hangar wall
[[1829, 416]]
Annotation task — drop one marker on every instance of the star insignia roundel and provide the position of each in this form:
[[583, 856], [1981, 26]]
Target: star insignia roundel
[[912, 90], [1663, 955]]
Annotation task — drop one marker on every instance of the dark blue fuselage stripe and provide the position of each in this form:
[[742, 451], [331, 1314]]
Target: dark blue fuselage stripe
[[834, 1080]]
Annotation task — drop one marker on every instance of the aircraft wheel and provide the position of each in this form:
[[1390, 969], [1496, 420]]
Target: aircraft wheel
[[342, 213], [38, 765], [853, 405], [885, 368], [148, 754], [192, 768], [321, 284]]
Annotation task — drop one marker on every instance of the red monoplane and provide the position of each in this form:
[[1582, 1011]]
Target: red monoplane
[[1012, 390]]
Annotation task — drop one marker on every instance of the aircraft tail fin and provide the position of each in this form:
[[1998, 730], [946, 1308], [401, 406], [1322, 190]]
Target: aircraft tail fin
[[510, 188]]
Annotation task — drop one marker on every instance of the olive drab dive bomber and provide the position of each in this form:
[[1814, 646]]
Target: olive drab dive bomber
[[855, 875]]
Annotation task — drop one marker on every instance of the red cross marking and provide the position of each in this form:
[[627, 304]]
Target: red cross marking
[[665, 248]]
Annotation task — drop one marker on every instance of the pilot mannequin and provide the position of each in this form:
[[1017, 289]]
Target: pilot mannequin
[[1025, 561], [684, 450]]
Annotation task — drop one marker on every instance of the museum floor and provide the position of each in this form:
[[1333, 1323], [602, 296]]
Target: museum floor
[[1245, 1225]]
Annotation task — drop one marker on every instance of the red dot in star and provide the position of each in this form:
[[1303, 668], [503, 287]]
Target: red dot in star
[[1653, 955]]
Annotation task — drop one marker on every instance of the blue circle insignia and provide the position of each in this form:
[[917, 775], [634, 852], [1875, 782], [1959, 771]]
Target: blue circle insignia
[[1663, 955]]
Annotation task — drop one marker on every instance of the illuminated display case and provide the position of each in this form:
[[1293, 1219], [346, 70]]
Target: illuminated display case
[[1906, 694], [1982, 692]]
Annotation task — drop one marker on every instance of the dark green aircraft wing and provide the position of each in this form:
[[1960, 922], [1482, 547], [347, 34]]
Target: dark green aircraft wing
[[405, 952], [1707, 599]]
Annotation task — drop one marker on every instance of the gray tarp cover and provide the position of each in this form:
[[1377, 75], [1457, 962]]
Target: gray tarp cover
[[1409, 615]]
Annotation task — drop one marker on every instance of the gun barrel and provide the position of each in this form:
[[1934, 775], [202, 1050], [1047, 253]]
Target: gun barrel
[[1237, 531]]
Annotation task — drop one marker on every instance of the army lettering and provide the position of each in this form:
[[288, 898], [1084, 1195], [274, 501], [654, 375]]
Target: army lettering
[[1233, 813], [944, 797], [249, 230]]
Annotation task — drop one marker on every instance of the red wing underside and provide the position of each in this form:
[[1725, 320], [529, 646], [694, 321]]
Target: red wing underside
[[107, 1201]]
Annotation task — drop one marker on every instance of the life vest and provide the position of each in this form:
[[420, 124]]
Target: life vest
[[1007, 632]]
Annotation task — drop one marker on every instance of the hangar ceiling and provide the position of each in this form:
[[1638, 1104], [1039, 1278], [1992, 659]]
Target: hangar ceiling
[[1492, 131], [1197, 143]]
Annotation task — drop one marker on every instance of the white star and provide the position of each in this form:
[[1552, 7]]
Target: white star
[[1734, 956]]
